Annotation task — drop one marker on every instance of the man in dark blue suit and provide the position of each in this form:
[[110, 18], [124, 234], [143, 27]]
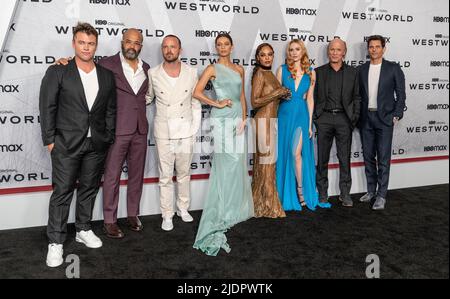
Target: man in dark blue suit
[[382, 88]]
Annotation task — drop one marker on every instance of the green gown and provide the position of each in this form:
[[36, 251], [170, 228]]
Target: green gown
[[229, 197]]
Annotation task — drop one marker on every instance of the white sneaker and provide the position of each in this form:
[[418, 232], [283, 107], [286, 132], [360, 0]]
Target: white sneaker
[[55, 255], [167, 224], [185, 216], [89, 239]]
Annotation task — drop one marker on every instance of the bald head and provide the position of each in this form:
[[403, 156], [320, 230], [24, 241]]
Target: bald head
[[132, 44], [338, 42], [133, 34], [337, 49]]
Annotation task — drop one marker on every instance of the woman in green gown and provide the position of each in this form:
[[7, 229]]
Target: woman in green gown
[[229, 197]]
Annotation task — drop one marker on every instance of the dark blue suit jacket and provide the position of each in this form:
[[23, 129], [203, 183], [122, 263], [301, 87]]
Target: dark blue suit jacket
[[391, 92]]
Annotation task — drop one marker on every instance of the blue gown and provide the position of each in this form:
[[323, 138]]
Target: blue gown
[[229, 197], [293, 123]]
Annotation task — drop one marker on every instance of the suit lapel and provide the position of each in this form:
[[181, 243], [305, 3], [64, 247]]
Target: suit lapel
[[181, 78], [325, 80], [383, 69], [79, 83], [101, 82], [344, 81], [121, 74], [163, 78], [365, 76], [144, 85]]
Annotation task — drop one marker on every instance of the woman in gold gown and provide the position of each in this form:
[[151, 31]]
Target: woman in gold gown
[[266, 95]]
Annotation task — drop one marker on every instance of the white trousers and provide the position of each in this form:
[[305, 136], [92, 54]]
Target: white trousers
[[174, 154]]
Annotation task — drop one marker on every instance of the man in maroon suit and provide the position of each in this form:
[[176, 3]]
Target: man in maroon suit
[[131, 74]]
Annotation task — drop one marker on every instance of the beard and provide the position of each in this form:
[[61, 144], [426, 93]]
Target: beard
[[172, 59], [130, 54]]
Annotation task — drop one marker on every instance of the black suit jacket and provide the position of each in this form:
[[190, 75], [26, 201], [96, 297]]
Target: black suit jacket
[[391, 92], [64, 113], [350, 92]]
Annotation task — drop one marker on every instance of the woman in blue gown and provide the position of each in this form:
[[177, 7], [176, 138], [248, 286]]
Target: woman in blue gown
[[296, 172], [229, 197]]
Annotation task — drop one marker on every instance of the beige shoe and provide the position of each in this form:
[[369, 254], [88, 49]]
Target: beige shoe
[[185, 216]]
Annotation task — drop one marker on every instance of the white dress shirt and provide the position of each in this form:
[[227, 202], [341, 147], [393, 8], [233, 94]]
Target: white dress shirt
[[135, 79], [91, 87]]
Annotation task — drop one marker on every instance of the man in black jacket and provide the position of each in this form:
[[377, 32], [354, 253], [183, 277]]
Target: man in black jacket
[[336, 113], [382, 86], [77, 106]]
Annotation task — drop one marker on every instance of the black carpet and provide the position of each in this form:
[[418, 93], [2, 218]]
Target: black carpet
[[410, 237]]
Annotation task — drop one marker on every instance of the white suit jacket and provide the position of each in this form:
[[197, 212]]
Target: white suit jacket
[[178, 114]]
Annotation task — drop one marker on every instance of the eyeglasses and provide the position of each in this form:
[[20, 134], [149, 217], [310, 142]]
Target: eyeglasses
[[134, 43]]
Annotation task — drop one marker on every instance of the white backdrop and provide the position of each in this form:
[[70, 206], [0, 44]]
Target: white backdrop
[[417, 34], [6, 14]]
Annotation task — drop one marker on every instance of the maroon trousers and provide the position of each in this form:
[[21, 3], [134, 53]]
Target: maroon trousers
[[133, 149]]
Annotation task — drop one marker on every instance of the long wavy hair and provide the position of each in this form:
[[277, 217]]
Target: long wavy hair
[[258, 50], [304, 61]]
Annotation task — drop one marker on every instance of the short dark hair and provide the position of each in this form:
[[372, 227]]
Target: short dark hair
[[174, 36], [85, 28], [376, 37], [226, 35]]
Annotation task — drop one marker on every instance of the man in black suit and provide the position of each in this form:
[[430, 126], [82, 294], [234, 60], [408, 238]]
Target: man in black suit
[[382, 86], [336, 113], [77, 106]]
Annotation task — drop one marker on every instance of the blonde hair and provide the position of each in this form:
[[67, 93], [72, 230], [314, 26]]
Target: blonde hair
[[304, 61]]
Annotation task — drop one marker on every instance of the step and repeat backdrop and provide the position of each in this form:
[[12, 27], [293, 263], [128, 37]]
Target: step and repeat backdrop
[[417, 33], [8, 8]]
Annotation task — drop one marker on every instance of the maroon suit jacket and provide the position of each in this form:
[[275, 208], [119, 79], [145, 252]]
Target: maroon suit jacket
[[131, 108]]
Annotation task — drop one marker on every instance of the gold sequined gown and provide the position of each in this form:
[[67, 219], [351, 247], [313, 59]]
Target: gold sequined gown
[[266, 94]]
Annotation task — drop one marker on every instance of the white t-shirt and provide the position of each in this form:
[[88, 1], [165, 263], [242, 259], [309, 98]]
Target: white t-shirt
[[172, 81], [135, 79], [374, 80], [91, 87]]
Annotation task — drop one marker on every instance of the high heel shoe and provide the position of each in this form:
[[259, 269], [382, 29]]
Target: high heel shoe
[[300, 197]]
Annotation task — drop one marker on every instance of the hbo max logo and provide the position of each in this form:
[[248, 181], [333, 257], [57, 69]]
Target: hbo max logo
[[440, 19], [439, 64], [111, 2]]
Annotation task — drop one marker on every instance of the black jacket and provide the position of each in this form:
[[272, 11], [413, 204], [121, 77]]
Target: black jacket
[[391, 92], [350, 93], [64, 113]]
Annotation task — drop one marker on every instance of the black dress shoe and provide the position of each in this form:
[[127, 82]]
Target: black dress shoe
[[379, 204], [135, 224], [112, 230]]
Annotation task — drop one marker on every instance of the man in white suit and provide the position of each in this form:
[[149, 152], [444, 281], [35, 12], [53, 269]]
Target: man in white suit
[[177, 120]]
